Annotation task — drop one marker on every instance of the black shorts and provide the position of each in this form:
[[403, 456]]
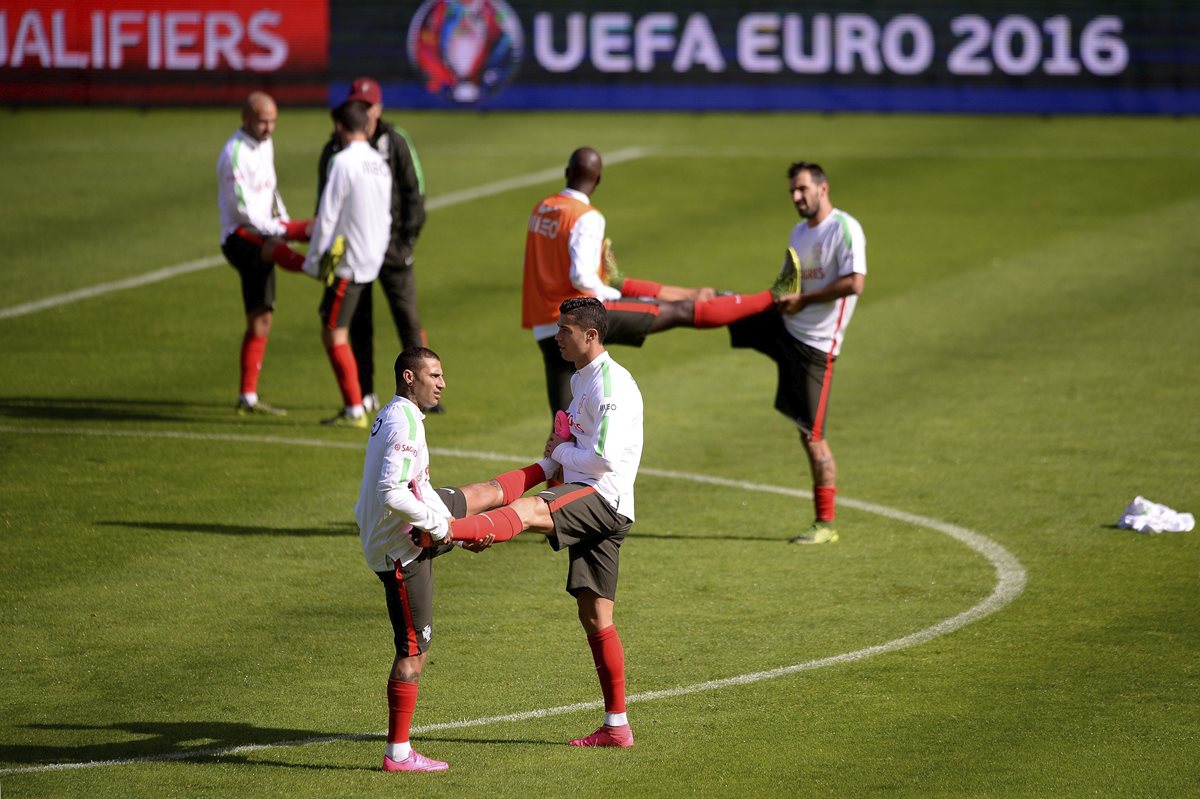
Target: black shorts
[[629, 321], [805, 374], [339, 302], [243, 251], [592, 532], [409, 590]]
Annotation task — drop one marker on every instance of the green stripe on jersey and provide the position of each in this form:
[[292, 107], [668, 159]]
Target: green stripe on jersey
[[603, 436], [237, 187], [412, 423], [606, 383], [415, 159], [841, 220]]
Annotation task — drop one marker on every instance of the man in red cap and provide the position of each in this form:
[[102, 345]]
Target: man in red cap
[[408, 216]]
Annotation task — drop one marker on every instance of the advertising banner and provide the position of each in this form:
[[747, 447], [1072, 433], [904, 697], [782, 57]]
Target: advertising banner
[[1106, 56], [162, 51]]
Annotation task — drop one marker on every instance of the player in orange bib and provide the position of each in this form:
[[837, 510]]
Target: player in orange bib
[[567, 255]]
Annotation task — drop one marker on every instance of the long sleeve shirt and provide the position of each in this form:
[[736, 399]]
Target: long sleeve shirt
[[396, 494], [247, 188], [356, 203], [606, 420], [408, 187]]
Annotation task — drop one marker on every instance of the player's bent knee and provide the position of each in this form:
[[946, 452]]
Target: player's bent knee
[[535, 514]]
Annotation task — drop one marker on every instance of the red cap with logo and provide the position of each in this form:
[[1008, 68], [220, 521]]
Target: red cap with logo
[[365, 90]]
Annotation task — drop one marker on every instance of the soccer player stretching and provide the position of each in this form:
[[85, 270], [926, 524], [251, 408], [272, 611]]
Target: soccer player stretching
[[395, 496], [598, 444]]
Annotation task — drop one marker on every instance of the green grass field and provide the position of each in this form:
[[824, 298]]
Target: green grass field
[[186, 611]]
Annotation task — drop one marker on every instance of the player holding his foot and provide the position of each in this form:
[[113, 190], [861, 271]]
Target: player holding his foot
[[396, 495], [350, 234], [822, 276], [567, 255], [254, 226], [598, 443]]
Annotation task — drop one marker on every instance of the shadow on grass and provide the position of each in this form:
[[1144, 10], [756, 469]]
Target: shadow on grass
[[779, 538], [422, 739], [332, 529], [109, 409], [188, 741], [95, 409]]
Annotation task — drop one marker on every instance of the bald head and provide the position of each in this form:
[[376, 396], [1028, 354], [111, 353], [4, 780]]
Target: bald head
[[258, 116], [583, 170]]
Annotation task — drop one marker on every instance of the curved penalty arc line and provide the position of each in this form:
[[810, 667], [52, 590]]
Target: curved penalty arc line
[[1011, 578]]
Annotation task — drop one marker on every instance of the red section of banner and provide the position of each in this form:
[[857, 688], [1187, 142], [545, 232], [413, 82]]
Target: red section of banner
[[162, 51]]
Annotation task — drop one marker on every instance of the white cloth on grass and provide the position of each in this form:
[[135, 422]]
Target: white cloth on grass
[[1150, 517]]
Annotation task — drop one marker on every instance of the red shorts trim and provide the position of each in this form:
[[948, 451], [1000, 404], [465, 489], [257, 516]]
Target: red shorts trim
[[651, 308], [567, 499]]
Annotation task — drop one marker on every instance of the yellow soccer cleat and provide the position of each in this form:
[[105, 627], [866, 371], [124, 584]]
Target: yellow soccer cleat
[[610, 273], [330, 260], [788, 281], [819, 533], [343, 419]]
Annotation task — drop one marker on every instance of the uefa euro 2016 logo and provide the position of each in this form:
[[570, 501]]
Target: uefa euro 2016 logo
[[465, 49]]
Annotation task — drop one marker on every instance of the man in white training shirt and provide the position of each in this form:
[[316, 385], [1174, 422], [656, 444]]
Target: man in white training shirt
[[396, 497], [349, 240], [823, 274], [254, 225], [598, 443]]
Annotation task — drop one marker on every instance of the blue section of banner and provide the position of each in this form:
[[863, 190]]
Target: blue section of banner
[[808, 98]]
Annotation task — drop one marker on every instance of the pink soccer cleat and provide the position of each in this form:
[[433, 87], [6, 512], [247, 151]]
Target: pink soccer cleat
[[607, 736], [415, 762]]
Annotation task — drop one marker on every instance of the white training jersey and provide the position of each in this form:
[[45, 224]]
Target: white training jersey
[[606, 420], [396, 494], [833, 249], [357, 204], [247, 191]]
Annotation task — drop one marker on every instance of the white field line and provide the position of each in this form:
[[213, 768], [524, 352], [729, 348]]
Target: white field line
[[1010, 582], [156, 276], [435, 203], [827, 152]]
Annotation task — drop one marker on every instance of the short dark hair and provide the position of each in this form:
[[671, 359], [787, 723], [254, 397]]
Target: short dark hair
[[352, 115], [410, 360], [818, 174], [588, 313]]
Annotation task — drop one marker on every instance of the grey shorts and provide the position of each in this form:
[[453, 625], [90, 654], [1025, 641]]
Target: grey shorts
[[409, 590], [592, 533], [340, 301]]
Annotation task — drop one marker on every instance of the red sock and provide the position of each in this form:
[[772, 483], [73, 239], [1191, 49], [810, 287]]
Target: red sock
[[720, 311], [823, 502], [287, 258], [632, 287], [609, 657], [296, 229], [253, 348], [518, 481], [503, 522], [402, 701], [346, 371]]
